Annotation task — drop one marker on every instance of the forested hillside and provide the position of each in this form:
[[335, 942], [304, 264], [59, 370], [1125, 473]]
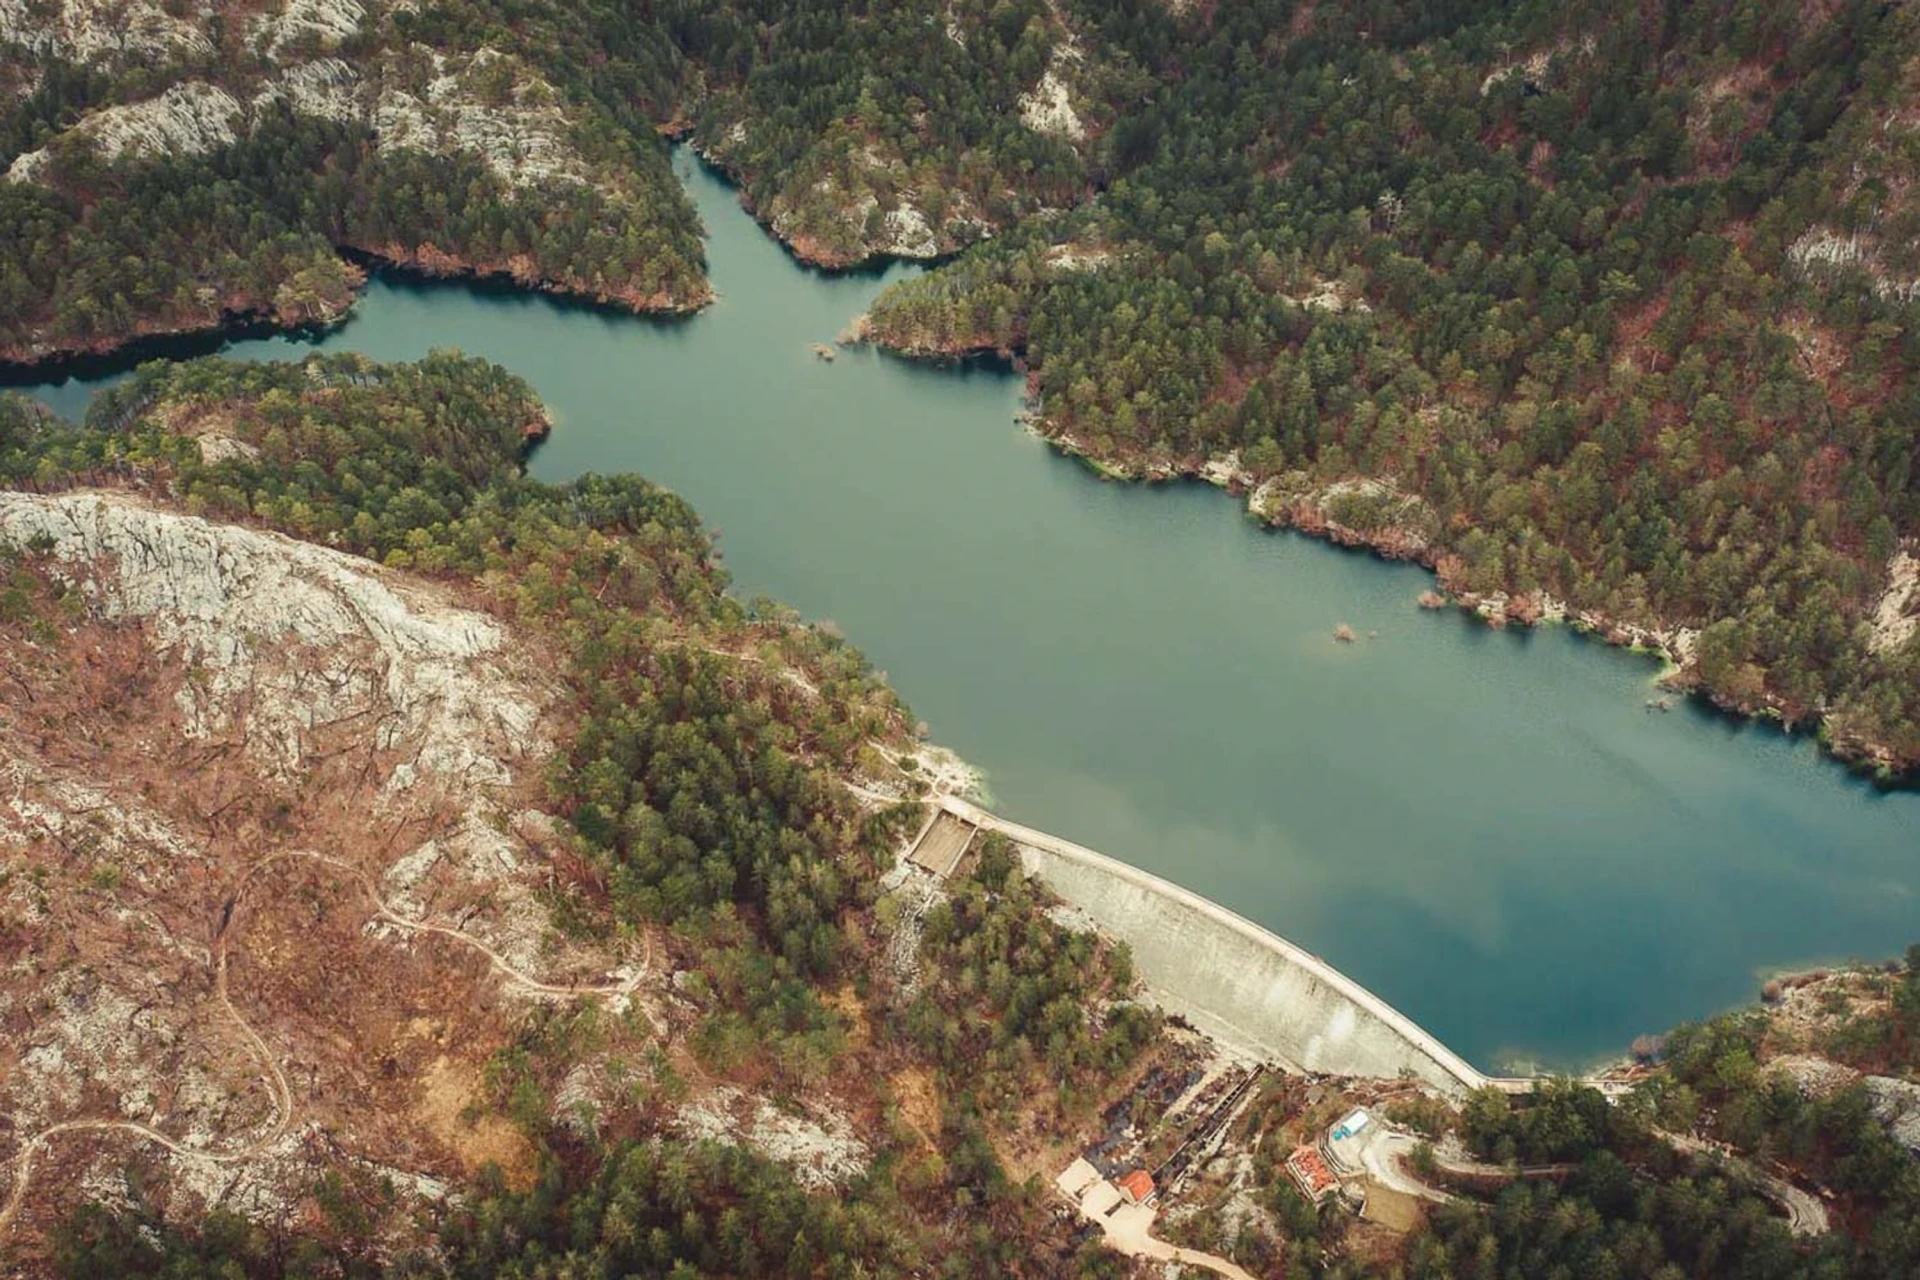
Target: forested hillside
[[1596, 310], [1586, 305], [911, 129], [166, 173], [172, 171], [808, 1071], [795, 1077]]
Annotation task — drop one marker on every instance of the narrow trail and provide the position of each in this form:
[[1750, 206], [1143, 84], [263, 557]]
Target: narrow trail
[[501, 965], [282, 1094], [1386, 1158], [277, 1085], [1806, 1216]]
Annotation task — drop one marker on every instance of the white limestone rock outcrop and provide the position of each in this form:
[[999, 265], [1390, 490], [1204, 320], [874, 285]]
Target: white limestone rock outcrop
[[1896, 615], [1896, 1104], [323, 22], [326, 88], [288, 637], [1047, 108], [187, 119], [820, 1147], [96, 31], [526, 139], [487, 104]]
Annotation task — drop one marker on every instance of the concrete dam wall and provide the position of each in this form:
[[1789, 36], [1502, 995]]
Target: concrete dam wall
[[1234, 980]]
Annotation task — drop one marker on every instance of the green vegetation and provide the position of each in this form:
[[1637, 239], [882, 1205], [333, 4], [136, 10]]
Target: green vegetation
[[1633, 1206], [512, 138], [835, 115], [1013, 997], [537, 160], [1694, 1222], [1608, 304], [665, 1210], [700, 784], [1555, 273], [1566, 300]]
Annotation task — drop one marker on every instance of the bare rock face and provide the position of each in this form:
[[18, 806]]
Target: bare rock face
[[1823, 251], [91, 32], [326, 87], [284, 644], [821, 1147], [324, 23], [1896, 616], [1812, 1075], [1896, 1104], [261, 807], [228, 599], [485, 103], [524, 137], [1047, 108], [188, 119], [908, 235]]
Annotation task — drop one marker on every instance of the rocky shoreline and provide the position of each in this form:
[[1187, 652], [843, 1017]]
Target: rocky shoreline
[[1307, 510], [431, 261], [1671, 643], [238, 313], [234, 312]]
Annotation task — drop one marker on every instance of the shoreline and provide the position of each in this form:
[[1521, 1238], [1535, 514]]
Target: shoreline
[[1671, 645], [1872, 761], [53, 362], [57, 360]]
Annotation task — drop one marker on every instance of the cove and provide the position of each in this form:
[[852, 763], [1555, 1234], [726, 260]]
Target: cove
[[1488, 829]]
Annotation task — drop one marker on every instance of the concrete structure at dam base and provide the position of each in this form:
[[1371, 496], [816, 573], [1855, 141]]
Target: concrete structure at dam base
[[1249, 989]]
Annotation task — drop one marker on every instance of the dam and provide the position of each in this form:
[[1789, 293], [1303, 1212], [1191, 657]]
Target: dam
[[1246, 987]]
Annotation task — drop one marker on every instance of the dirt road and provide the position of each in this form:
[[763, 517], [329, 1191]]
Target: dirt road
[[276, 1081]]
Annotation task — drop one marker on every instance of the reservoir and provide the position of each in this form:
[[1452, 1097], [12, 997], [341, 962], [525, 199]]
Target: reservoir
[[1489, 829]]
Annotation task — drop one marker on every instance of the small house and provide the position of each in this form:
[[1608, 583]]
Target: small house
[[1137, 1187]]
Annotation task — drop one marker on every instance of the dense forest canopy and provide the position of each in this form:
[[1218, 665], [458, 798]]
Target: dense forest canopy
[[1580, 304], [1606, 305]]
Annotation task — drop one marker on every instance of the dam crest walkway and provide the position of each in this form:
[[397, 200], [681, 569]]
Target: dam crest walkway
[[1246, 986]]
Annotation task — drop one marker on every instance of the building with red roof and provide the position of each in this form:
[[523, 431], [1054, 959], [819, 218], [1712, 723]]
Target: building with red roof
[[1137, 1186], [1310, 1173]]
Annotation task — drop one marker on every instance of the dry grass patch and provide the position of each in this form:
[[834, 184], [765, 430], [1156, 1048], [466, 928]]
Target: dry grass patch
[[451, 1107]]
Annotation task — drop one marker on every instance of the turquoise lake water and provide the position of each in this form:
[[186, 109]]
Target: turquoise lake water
[[1489, 829]]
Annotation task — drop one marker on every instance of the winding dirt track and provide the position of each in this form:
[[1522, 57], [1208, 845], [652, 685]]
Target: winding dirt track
[[1806, 1216], [1384, 1158], [276, 1080]]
